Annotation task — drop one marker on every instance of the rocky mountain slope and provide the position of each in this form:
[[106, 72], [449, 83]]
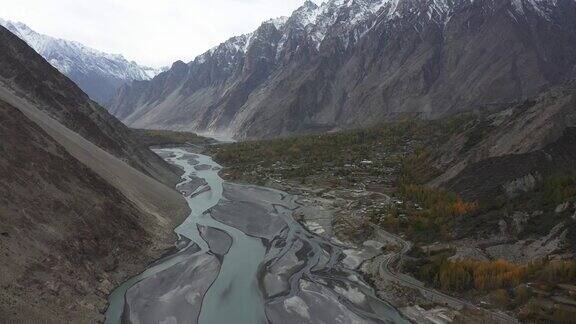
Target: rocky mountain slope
[[519, 163], [355, 62], [77, 197], [514, 148], [98, 74]]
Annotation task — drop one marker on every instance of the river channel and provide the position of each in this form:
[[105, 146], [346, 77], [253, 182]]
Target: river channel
[[241, 258]]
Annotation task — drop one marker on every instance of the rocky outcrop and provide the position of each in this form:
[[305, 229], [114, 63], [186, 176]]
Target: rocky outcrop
[[526, 251], [521, 185], [351, 63]]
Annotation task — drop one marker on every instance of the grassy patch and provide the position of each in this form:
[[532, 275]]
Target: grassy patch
[[559, 189]]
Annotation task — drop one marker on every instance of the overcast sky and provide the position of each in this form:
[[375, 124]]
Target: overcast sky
[[151, 32]]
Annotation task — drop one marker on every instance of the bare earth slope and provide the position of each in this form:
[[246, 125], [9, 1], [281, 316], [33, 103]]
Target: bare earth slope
[[67, 236], [27, 73], [79, 209], [149, 195]]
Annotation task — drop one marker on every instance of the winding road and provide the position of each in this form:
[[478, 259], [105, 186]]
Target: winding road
[[387, 272]]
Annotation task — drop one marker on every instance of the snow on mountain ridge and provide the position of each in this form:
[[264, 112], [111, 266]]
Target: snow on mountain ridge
[[349, 14], [542, 8], [68, 55], [278, 22], [241, 43], [316, 20]]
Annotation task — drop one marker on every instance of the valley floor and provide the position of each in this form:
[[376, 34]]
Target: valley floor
[[244, 259], [512, 256], [378, 255]]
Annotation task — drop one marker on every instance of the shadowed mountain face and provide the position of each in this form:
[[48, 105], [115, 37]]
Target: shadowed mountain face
[[79, 207], [98, 74], [353, 63]]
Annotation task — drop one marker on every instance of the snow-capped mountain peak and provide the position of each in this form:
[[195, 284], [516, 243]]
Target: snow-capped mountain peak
[[278, 22], [354, 62], [98, 73], [314, 20]]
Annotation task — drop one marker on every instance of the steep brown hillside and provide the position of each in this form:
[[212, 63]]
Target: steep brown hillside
[[67, 237], [79, 209], [28, 74]]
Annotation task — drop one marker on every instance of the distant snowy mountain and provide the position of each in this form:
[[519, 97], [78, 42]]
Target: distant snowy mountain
[[99, 74]]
